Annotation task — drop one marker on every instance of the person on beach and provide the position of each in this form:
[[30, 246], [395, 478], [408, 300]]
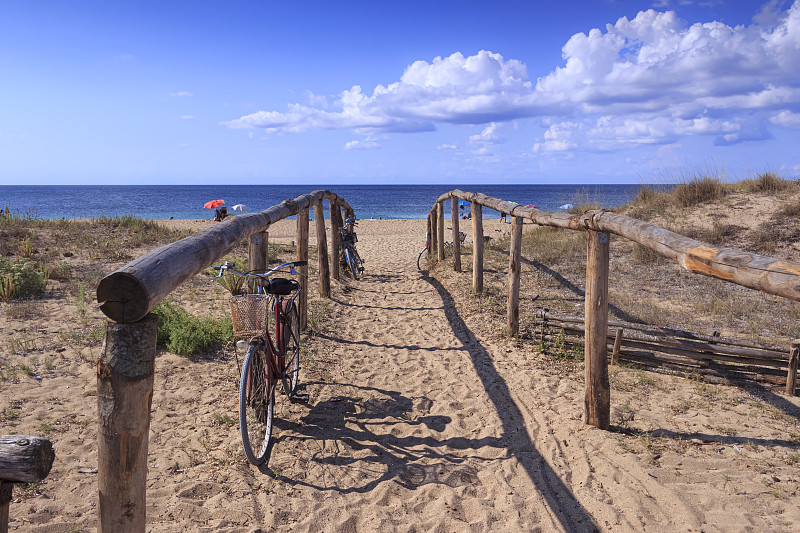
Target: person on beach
[[220, 214]]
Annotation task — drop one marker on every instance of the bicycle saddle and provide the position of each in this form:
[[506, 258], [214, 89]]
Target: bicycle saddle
[[281, 286]]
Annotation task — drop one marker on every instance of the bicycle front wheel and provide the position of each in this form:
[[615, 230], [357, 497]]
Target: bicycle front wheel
[[351, 262], [256, 405], [291, 336]]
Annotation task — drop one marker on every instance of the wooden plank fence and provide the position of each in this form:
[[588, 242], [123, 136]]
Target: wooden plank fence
[[770, 275], [127, 364]]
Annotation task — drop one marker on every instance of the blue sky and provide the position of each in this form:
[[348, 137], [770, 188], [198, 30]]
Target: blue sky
[[603, 91]]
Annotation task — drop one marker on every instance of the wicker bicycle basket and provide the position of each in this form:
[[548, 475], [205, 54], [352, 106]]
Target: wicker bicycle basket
[[249, 315]]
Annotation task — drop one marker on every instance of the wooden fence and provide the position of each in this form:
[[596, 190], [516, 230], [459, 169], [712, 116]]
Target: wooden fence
[[771, 275], [126, 365], [23, 459]]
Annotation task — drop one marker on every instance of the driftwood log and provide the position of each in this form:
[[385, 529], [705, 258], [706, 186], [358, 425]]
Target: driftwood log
[[128, 294]]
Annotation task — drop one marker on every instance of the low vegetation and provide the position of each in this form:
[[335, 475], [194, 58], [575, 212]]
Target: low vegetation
[[185, 334]]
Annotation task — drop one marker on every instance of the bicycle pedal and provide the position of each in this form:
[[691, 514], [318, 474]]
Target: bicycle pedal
[[300, 397]]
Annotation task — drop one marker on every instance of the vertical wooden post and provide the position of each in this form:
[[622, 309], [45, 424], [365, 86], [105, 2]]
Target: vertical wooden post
[[597, 399], [440, 227], [336, 238], [302, 255], [257, 251], [477, 248], [322, 251], [791, 375], [456, 237], [514, 267], [5, 502], [434, 248], [124, 396], [617, 346], [429, 237]]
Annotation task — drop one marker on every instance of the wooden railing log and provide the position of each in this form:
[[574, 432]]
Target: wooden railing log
[[780, 277], [25, 459], [128, 294], [429, 237]]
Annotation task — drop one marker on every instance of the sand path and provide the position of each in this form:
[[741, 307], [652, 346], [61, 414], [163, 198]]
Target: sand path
[[414, 424]]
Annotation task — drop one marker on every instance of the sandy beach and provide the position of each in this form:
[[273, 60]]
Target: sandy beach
[[421, 418]]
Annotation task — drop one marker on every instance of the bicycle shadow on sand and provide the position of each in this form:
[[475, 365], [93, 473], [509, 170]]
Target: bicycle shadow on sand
[[560, 499], [364, 439]]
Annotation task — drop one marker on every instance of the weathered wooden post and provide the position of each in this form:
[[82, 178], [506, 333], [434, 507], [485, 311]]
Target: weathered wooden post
[[322, 251], [336, 237], [258, 251], [23, 459], [791, 374], [617, 346], [440, 227], [597, 399], [429, 237], [124, 395], [434, 234], [477, 247], [302, 255], [456, 234], [514, 268]]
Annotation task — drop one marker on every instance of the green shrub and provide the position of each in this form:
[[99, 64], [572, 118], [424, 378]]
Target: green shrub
[[185, 334], [21, 278]]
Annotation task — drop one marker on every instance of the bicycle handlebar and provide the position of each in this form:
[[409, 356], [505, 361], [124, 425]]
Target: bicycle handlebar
[[228, 265]]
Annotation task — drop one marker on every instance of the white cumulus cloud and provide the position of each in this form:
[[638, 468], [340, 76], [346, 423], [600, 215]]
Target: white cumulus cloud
[[361, 145], [648, 80]]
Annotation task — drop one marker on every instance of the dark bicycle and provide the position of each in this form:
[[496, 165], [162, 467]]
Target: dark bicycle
[[350, 258]]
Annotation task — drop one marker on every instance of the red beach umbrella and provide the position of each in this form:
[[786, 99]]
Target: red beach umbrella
[[213, 204]]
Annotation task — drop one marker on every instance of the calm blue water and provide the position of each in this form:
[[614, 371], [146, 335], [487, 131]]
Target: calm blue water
[[368, 201]]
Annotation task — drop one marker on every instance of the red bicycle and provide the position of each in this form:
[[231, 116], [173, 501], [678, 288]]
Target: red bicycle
[[273, 353]]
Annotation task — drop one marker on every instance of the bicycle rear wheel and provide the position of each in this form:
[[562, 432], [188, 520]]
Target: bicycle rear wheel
[[351, 262], [419, 257], [291, 336], [256, 405]]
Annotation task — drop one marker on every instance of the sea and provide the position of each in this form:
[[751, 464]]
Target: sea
[[161, 202]]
